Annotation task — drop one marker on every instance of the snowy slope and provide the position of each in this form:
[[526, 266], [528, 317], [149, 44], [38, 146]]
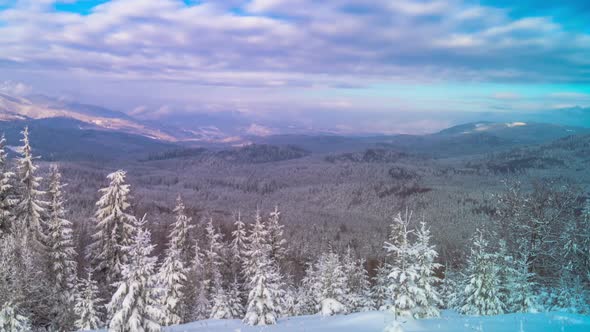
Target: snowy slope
[[377, 321]]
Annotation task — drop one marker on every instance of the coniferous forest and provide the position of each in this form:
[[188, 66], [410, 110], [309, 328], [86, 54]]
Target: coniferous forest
[[529, 258]]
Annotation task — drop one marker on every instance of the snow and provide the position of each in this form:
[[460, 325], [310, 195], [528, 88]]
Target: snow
[[378, 321]]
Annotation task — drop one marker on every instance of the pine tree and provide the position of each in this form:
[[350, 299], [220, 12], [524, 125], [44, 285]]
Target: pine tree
[[403, 272], [521, 285], [354, 272], [331, 285], [481, 295], [114, 231], [236, 307], [31, 208], [173, 275], [276, 240], [429, 299], [212, 260], [134, 304], [264, 297], [88, 303], [306, 302], [381, 292], [172, 281], [263, 278], [7, 201], [221, 306], [180, 234], [199, 304], [62, 254], [11, 320]]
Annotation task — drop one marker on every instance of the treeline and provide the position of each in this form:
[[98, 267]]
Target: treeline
[[535, 256]]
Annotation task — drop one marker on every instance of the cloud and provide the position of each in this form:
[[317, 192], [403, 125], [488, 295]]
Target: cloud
[[15, 88]]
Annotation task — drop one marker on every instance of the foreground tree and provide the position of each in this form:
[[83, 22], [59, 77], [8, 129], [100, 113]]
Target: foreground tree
[[172, 282], [30, 208], [403, 271], [60, 247], [11, 320], [481, 295], [134, 305], [88, 304], [7, 201], [427, 281], [114, 231]]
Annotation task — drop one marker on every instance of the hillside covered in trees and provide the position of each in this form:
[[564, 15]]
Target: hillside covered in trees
[[118, 270]]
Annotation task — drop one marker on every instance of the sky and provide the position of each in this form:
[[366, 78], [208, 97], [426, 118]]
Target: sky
[[355, 65]]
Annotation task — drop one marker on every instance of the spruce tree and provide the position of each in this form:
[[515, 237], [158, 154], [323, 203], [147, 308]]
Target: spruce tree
[[381, 292], [429, 299], [88, 304], [114, 232], [134, 304], [180, 234], [213, 260], [173, 274], [221, 305], [7, 199], [403, 271], [276, 240], [481, 295], [331, 285], [11, 320], [31, 208], [62, 255], [263, 278], [172, 280]]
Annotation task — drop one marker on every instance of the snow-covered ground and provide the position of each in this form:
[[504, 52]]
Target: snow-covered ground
[[378, 321]]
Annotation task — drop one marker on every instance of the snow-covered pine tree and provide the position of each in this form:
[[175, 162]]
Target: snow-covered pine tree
[[180, 234], [213, 260], [264, 298], [7, 200], [331, 285], [404, 272], [306, 303], [199, 304], [114, 231], [429, 299], [172, 279], [354, 272], [134, 305], [276, 239], [264, 280], [481, 295], [88, 303], [235, 300], [62, 255], [173, 274], [381, 292], [570, 295], [31, 208], [11, 320], [522, 294], [221, 307]]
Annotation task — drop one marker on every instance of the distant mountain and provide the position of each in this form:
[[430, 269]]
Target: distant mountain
[[63, 139]]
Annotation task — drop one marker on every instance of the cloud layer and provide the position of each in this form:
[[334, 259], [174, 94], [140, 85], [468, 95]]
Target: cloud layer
[[288, 47]]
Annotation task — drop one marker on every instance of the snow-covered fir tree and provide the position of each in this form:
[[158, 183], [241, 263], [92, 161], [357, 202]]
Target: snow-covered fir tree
[[172, 279], [264, 297], [7, 199], [381, 292], [11, 320], [331, 285], [180, 234], [114, 232], [173, 274], [522, 288], [235, 300], [134, 306], [88, 304], [213, 260], [31, 208], [306, 300], [358, 297], [481, 294], [276, 240], [221, 306], [264, 282], [570, 294], [62, 255], [199, 304], [403, 271], [429, 299]]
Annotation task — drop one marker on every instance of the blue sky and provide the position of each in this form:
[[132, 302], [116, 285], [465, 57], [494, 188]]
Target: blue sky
[[314, 62]]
